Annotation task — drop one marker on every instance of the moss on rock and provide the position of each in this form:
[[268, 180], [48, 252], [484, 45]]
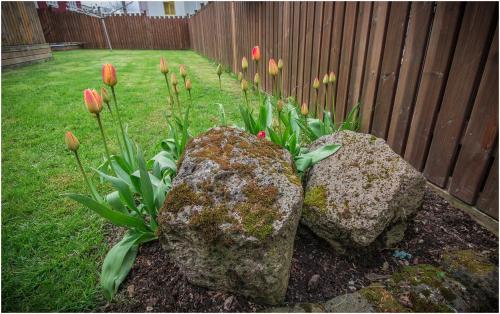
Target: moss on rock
[[382, 299], [469, 260], [316, 197]]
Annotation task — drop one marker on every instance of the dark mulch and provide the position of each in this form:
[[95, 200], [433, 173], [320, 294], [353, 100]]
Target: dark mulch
[[155, 284]]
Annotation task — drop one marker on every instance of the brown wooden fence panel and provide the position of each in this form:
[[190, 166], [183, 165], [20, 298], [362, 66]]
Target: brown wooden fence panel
[[132, 31], [425, 73]]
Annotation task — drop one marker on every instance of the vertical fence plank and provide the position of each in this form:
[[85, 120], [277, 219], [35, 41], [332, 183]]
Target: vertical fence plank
[[480, 135], [434, 74], [416, 41], [488, 198], [473, 38]]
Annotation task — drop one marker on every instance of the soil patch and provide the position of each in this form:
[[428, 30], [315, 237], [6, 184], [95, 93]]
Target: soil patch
[[156, 285]]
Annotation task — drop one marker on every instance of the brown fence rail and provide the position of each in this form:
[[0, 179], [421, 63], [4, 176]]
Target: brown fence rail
[[132, 31], [426, 74]]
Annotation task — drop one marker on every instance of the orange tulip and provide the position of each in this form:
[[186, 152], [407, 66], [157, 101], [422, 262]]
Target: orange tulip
[[183, 71], [273, 67], [163, 66], [109, 74], [92, 100], [71, 142], [188, 84], [304, 109], [256, 53]]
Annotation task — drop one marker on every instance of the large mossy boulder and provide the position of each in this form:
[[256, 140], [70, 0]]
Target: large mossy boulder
[[362, 193], [229, 221]]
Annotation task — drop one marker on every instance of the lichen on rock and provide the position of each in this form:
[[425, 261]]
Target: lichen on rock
[[230, 218], [356, 195]]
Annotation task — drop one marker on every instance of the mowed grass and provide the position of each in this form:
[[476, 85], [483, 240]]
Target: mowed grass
[[52, 248]]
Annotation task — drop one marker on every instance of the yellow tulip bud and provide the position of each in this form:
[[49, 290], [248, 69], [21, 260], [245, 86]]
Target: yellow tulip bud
[[273, 67], [183, 71], [325, 79], [173, 78], [163, 66], [332, 78], [244, 64], [316, 83], [256, 79], [280, 64], [244, 85], [219, 69], [304, 109], [71, 141]]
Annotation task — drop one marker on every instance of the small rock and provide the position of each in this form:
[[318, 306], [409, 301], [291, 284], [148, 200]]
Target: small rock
[[130, 290], [313, 283], [149, 308], [420, 241], [351, 282], [352, 288], [228, 303]]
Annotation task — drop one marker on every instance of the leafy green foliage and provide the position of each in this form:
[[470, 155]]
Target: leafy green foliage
[[264, 118]]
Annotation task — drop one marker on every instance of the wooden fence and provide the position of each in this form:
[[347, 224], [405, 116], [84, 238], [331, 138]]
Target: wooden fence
[[426, 74], [132, 31], [22, 37]]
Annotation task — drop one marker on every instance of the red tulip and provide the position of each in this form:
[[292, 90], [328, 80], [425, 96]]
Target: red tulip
[[261, 134], [256, 53], [92, 100], [109, 74]]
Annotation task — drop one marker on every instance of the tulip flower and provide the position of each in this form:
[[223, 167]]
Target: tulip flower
[[332, 78], [316, 87], [106, 98], [280, 64], [256, 53], [163, 66], [244, 64], [109, 75], [183, 71], [316, 83], [188, 87], [93, 102], [273, 67], [261, 135], [304, 109], [174, 80], [240, 76], [325, 79], [219, 73], [71, 142], [256, 79]]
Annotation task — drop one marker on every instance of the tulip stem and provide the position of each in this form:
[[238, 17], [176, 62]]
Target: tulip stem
[[246, 98], [333, 103], [83, 171], [120, 122], [98, 117], [170, 95]]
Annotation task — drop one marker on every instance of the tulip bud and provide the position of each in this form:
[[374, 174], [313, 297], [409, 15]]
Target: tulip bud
[[273, 67], [304, 109], [261, 134], [92, 100], [71, 142], [316, 83], [188, 84], [240, 76], [163, 66], [280, 64], [256, 79], [256, 53], [280, 105], [219, 69], [105, 96], [244, 64], [109, 74], [332, 78], [244, 85], [173, 78], [325, 79], [183, 71]]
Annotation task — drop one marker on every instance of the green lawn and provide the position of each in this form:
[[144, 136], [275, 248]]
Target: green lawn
[[52, 248]]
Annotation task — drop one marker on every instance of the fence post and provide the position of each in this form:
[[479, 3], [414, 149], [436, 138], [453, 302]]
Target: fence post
[[106, 33], [233, 37]]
